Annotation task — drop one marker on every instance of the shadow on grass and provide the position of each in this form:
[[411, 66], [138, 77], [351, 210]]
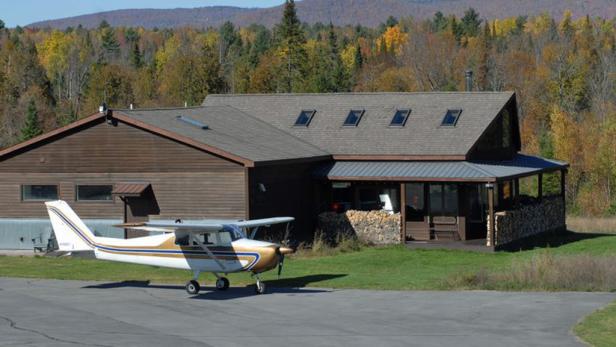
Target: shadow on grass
[[550, 239]]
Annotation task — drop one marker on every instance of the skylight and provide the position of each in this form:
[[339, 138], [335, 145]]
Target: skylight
[[451, 118], [400, 117], [192, 122], [304, 118], [353, 118]]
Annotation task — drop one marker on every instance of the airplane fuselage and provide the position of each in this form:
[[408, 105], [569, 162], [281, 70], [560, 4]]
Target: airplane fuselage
[[161, 250]]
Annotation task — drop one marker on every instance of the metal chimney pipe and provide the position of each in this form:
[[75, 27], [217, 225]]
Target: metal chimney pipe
[[469, 80]]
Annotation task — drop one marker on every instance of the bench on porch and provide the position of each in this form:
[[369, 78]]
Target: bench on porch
[[445, 228]]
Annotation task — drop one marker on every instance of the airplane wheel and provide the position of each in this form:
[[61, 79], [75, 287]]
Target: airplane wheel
[[260, 287], [192, 287], [222, 283]]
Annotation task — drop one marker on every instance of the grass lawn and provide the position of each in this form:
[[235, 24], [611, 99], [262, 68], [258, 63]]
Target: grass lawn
[[391, 268], [599, 329]]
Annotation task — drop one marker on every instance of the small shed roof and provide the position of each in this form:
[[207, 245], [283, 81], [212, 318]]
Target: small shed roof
[[520, 165], [130, 188]]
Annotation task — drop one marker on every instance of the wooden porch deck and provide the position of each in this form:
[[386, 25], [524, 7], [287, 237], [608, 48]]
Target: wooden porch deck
[[478, 245]]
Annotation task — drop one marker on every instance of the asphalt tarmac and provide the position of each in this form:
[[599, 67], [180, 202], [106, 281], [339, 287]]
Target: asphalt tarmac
[[75, 313]]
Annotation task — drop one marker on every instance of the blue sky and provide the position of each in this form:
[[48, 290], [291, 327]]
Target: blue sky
[[23, 12]]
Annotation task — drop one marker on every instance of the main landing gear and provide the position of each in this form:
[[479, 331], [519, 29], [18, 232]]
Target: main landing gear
[[193, 287], [222, 283]]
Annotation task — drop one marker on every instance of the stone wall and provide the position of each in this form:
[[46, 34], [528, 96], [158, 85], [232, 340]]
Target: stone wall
[[372, 227], [536, 218]]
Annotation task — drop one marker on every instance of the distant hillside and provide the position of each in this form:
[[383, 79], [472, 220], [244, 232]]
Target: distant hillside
[[340, 12]]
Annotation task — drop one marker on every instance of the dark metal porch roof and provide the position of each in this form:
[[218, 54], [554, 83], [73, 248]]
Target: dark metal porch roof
[[482, 171]]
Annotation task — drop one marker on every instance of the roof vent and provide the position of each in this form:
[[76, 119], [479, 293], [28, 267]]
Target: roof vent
[[192, 122]]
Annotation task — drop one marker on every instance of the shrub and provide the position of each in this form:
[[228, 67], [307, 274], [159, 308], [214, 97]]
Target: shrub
[[545, 271]]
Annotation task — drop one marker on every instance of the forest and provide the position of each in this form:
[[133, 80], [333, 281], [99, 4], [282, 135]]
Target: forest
[[562, 69]]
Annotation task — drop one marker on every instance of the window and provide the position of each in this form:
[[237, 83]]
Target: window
[[400, 118], [304, 118], [451, 118], [353, 118], [477, 199], [415, 207], [444, 199], [342, 196], [94, 193], [39, 192]]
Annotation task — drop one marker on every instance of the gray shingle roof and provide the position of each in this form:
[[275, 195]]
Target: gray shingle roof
[[230, 130], [421, 136], [415, 170]]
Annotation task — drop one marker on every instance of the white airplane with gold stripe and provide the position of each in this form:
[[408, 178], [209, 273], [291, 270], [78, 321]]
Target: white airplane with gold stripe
[[219, 247]]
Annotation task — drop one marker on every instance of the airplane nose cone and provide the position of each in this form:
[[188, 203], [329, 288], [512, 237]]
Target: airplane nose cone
[[286, 250]]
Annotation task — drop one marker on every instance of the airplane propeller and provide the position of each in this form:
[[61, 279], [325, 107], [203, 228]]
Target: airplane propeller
[[281, 251], [280, 261]]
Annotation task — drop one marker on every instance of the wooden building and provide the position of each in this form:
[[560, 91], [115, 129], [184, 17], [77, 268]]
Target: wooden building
[[445, 161]]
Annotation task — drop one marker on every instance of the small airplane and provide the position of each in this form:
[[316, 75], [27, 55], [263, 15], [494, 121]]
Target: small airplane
[[216, 246]]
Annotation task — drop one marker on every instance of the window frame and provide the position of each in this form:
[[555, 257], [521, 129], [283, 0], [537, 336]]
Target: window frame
[[407, 113], [457, 111], [443, 201], [310, 117], [22, 195], [77, 199], [361, 112]]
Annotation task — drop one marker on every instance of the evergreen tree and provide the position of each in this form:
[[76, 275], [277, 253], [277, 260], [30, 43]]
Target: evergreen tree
[[439, 22], [358, 60], [31, 127], [470, 23], [136, 59], [1, 24], [290, 36], [339, 77], [109, 45]]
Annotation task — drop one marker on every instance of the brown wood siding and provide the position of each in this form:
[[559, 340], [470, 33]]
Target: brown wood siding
[[101, 147], [186, 182], [290, 191], [179, 195]]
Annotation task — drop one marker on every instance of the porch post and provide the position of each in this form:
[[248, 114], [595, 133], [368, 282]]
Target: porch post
[[402, 213], [491, 222], [540, 186], [563, 173]]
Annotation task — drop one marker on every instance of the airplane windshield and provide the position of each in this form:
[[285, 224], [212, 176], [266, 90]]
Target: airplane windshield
[[235, 232]]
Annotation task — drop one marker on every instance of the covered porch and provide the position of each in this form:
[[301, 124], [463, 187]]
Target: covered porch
[[453, 201]]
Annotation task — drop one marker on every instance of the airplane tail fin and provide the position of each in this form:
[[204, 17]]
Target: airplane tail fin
[[71, 233]]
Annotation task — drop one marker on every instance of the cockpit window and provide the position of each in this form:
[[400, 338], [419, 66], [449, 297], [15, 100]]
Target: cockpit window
[[234, 231], [182, 241]]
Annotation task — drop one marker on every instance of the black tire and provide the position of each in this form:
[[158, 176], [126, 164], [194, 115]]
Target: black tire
[[260, 288], [222, 283], [192, 287]]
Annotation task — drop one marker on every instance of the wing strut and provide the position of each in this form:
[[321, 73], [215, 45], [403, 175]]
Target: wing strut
[[207, 250]]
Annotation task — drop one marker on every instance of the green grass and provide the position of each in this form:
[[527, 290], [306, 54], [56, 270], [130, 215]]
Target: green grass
[[391, 268], [599, 328]]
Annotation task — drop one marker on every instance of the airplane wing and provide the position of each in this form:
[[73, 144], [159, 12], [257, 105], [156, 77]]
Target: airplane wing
[[261, 222], [202, 226], [199, 227]]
